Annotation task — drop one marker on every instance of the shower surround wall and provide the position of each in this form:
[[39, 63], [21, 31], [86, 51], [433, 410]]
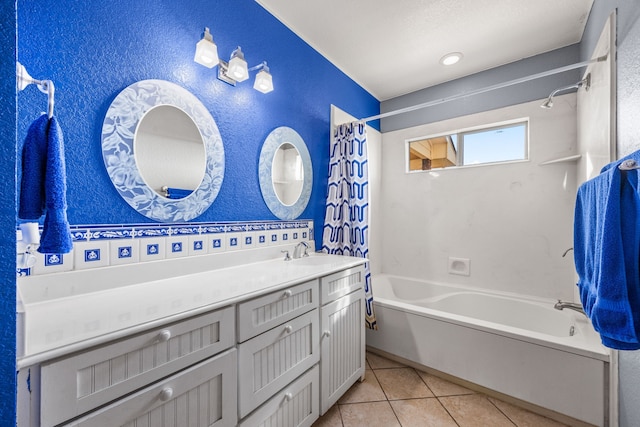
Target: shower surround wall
[[513, 221]]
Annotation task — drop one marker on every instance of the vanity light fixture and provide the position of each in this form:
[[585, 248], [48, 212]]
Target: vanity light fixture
[[234, 71], [263, 82], [451, 58], [237, 67], [206, 50]]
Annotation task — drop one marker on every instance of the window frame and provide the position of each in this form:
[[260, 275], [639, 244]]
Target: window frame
[[460, 144]]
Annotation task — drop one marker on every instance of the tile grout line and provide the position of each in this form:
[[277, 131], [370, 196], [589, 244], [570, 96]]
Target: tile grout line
[[502, 412]]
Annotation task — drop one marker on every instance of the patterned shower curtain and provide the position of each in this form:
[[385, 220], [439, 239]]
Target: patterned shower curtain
[[346, 224]]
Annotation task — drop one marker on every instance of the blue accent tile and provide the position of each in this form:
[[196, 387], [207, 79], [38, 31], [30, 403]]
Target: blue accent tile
[[274, 237], [304, 234], [125, 252], [91, 255], [152, 249], [22, 272], [198, 245], [247, 240], [262, 239], [285, 236], [217, 243], [53, 259], [295, 236], [176, 247], [233, 241]]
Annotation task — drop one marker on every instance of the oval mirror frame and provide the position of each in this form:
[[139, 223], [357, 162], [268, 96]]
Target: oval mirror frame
[[118, 133], [271, 144]]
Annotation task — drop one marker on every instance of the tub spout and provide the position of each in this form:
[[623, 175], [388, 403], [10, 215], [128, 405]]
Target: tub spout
[[561, 305]]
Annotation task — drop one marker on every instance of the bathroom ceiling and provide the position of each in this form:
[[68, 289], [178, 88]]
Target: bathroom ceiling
[[393, 47]]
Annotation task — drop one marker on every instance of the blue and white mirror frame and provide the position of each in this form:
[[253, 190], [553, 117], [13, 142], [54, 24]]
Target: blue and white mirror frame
[[118, 137], [274, 140]]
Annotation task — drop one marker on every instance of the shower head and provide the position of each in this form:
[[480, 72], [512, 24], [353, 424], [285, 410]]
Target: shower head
[[586, 82]]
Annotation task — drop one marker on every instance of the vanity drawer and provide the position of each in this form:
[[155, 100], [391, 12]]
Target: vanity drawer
[[295, 406], [263, 313], [79, 383], [273, 359], [341, 283], [201, 396]]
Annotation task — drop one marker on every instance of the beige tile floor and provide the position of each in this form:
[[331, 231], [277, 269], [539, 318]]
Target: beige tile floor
[[394, 395]]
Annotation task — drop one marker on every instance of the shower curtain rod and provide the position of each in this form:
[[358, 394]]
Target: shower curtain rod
[[485, 89]]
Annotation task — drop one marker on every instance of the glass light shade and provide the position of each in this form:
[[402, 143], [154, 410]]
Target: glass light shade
[[206, 53], [238, 69], [263, 82]]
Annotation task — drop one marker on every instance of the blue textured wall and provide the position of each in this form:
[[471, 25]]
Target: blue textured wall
[[93, 50], [7, 213]]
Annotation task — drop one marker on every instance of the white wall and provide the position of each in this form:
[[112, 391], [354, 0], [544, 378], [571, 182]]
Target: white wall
[[513, 221]]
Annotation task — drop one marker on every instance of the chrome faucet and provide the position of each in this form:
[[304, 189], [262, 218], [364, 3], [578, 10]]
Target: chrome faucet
[[297, 250], [561, 305]]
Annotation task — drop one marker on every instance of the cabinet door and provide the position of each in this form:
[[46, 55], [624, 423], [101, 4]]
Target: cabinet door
[[77, 384], [341, 283], [203, 395], [272, 360], [342, 347], [263, 313], [297, 405]]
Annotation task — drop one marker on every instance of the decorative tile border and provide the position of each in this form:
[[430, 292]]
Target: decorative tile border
[[105, 245]]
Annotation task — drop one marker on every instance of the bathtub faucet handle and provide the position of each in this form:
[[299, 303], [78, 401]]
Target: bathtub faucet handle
[[286, 255]]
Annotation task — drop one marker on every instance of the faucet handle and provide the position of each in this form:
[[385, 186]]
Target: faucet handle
[[286, 255]]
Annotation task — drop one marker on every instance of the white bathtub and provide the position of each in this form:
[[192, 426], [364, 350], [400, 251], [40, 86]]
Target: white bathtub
[[519, 346]]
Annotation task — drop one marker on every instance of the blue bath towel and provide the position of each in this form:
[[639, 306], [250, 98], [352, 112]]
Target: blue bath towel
[[606, 253], [43, 186]]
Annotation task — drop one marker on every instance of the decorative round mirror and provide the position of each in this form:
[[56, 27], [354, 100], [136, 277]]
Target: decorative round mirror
[[163, 151], [285, 173]]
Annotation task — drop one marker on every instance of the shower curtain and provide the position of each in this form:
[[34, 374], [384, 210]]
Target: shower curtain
[[346, 223]]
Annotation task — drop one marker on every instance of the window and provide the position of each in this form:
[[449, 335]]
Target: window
[[494, 144]]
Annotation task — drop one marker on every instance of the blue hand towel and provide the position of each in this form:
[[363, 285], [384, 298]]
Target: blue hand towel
[[177, 193], [606, 253], [43, 186]]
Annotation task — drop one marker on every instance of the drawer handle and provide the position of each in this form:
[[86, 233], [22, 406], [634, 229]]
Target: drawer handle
[[164, 335], [326, 334], [166, 394], [288, 329], [288, 397], [287, 293]]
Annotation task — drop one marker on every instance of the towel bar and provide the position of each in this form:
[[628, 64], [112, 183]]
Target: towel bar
[[46, 86]]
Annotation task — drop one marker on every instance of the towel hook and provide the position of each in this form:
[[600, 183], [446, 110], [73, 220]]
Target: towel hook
[[23, 79], [628, 165]]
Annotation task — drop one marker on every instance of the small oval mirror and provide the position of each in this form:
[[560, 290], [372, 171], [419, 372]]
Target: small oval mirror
[[287, 174], [169, 151]]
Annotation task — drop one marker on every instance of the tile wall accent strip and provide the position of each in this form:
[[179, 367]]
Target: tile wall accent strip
[[132, 243]]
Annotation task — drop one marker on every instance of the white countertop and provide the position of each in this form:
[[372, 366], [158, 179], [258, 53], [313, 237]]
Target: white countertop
[[64, 312]]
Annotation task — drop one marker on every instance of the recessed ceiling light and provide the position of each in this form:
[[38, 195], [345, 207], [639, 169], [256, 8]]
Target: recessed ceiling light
[[451, 58]]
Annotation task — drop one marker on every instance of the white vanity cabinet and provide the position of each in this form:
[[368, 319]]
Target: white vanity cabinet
[[342, 358], [270, 360], [78, 383], [274, 345], [203, 395]]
